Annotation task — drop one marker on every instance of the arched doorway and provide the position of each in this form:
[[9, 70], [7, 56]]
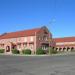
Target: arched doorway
[[57, 49], [14, 47], [60, 49], [68, 49], [64, 49], [72, 48], [7, 48]]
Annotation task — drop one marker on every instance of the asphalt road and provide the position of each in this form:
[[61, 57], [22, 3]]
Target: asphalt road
[[46, 65]]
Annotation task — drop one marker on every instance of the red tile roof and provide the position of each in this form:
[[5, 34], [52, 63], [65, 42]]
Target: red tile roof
[[68, 45], [19, 34], [65, 39]]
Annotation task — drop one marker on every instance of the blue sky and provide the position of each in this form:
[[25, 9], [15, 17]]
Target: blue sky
[[57, 15]]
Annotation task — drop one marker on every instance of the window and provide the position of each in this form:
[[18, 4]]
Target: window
[[19, 39], [25, 39], [19, 45], [24, 45], [12, 40], [39, 38], [31, 46], [2, 45], [46, 38], [31, 38]]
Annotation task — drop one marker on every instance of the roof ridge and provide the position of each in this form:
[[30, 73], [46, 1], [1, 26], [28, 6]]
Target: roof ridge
[[64, 37], [23, 33], [23, 30]]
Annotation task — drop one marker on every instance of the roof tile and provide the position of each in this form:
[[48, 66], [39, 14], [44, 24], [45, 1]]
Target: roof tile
[[19, 34], [65, 39]]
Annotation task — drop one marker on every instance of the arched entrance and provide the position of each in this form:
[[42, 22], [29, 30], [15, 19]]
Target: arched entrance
[[60, 49], [14, 47], [68, 49], [7, 48], [64, 49], [72, 49]]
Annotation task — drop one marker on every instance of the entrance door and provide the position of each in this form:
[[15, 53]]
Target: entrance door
[[8, 49], [14, 47]]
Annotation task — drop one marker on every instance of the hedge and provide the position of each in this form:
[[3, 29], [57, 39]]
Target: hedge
[[15, 51], [40, 51], [1, 50], [26, 51]]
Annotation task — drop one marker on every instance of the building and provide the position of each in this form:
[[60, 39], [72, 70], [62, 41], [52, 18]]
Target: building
[[64, 44], [33, 39], [27, 39]]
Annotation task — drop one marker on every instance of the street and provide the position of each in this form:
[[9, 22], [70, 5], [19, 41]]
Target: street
[[37, 65]]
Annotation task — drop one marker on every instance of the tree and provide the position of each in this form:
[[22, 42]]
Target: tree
[[52, 51]]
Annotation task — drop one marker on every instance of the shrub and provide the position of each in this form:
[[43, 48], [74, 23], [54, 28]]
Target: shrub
[[26, 51], [15, 51], [52, 51], [40, 51], [1, 50]]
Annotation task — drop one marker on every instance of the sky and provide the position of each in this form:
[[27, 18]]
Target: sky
[[57, 15]]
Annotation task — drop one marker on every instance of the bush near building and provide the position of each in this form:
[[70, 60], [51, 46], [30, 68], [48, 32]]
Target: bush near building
[[52, 51], [15, 51], [1, 50], [26, 51], [40, 51]]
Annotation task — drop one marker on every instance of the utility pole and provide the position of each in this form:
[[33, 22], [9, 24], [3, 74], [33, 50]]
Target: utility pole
[[50, 38]]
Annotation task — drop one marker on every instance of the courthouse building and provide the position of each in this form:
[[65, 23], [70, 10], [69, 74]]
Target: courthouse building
[[27, 39]]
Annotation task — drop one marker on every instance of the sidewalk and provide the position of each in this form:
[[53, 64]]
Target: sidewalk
[[59, 54]]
